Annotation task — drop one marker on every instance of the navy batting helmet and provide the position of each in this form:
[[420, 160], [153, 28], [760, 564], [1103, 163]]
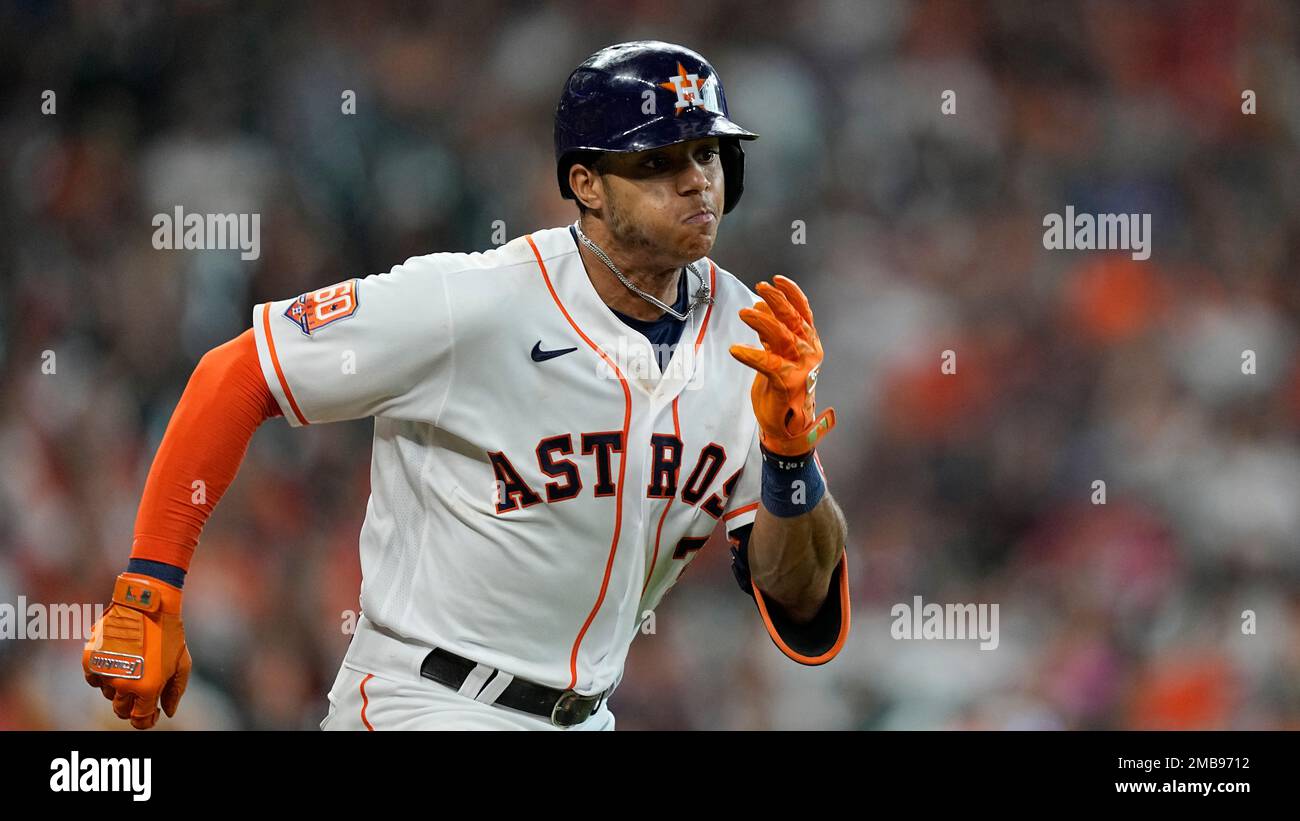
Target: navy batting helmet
[[642, 95]]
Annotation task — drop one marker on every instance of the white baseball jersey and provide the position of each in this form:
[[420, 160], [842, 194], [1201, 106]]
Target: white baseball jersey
[[537, 484]]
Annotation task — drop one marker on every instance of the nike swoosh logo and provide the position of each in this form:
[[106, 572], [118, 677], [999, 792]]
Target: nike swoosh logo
[[540, 355]]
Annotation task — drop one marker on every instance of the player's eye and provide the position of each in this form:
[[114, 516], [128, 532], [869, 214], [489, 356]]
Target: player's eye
[[707, 155], [656, 163]]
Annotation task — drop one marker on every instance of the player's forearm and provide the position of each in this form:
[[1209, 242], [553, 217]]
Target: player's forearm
[[224, 402], [791, 559]]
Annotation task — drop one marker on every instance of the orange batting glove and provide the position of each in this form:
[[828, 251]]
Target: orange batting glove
[[784, 392], [137, 651]]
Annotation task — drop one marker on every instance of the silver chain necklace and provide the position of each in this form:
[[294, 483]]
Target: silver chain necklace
[[702, 296]]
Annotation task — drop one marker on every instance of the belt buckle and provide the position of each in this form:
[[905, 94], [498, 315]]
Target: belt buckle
[[569, 705]]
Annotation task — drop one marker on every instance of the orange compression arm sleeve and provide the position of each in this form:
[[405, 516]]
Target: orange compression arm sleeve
[[222, 406]]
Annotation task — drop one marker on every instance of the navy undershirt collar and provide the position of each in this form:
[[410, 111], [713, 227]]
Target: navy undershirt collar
[[647, 325]]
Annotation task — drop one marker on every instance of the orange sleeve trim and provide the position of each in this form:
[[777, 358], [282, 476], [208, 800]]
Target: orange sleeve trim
[[622, 467], [844, 621], [365, 701], [740, 510], [275, 363]]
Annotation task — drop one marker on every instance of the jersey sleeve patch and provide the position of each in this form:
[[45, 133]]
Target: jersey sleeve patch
[[316, 309]]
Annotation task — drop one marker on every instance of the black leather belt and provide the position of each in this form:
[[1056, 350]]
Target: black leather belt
[[564, 708]]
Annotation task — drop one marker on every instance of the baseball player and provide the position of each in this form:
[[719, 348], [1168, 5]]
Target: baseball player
[[559, 425]]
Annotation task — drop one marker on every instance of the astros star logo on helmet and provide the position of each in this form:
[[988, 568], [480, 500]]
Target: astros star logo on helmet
[[693, 92]]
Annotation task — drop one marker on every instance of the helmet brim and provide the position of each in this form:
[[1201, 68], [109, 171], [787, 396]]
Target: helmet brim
[[669, 130], [657, 133]]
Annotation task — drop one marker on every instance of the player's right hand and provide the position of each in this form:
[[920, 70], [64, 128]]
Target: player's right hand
[[136, 653], [784, 389]]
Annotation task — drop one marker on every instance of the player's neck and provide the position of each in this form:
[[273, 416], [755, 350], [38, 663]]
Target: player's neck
[[660, 283]]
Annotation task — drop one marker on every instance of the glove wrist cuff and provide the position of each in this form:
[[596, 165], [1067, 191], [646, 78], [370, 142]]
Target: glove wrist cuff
[[801, 446], [147, 594]]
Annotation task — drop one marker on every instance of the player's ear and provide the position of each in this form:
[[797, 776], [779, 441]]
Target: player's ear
[[587, 185]]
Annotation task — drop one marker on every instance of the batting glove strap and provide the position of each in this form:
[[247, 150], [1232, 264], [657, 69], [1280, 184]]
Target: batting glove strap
[[147, 594]]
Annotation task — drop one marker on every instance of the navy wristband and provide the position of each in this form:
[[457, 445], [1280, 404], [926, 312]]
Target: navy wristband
[[791, 485], [161, 571]]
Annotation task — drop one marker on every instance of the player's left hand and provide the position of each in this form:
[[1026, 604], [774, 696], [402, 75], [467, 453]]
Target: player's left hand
[[784, 391]]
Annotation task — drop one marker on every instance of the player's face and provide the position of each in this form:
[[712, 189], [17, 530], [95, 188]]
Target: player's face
[[665, 204]]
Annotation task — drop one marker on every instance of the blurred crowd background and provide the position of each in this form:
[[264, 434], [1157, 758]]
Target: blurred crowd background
[[924, 234]]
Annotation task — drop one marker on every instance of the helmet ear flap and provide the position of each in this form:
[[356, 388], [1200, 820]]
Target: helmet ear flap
[[733, 172]]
